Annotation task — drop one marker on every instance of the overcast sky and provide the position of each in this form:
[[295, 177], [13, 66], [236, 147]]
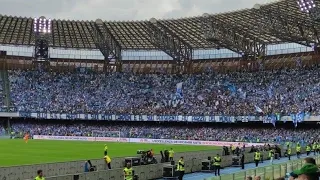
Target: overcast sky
[[120, 9]]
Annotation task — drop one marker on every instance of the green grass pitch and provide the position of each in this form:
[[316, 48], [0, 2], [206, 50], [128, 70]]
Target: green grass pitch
[[17, 152]]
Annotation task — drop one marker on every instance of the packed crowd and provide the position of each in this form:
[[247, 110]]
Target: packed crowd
[[2, 130], [162, 131], [238, 93], [2, 95]]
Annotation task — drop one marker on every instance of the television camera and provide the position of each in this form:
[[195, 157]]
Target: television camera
[[147, 157]]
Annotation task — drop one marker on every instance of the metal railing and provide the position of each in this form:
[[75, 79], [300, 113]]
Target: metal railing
[[269, 172]]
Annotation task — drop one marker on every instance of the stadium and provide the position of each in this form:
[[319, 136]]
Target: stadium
[[223, 91]]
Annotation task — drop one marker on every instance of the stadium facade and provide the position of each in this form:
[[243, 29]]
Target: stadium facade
[[248, 38]]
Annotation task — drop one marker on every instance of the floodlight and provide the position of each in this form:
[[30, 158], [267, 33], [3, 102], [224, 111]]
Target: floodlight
[[306, 5], [42, 25]]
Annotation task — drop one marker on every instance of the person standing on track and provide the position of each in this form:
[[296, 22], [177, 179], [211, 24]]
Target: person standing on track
[[217, 165], [180, 168], [128, 172], [242, 160], [271, 156], [289, 152], [308, 149], [298, 150], [257, 157]]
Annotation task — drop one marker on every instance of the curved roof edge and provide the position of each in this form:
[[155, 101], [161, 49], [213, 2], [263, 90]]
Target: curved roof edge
[[158, 19]]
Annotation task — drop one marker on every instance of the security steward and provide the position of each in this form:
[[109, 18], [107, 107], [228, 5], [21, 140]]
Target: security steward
[[308, 149], [128, 172], [289, 152], [233, 149], [298, 150], [108, 161], [242, 161], [217, 165], [314, 148], [180, 168], [105, 150], [40, 175], [271, 156], [257, 157], [171, 153]]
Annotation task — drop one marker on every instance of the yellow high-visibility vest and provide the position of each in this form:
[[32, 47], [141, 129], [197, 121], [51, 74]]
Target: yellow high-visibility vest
[[180, 166], [257, 156], [128, 173], [298, 149], [217, 161], [308, 148]]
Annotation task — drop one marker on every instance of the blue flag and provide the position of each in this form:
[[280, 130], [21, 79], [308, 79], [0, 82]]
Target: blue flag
[[273, 119], [300, 117], [179, 90], [232, 88], [294, 120], [270, 91], [259, 110]]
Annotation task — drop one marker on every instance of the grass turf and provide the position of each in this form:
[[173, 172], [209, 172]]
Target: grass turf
[[17, 152]]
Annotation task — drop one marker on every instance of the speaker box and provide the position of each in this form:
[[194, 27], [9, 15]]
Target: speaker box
[[76, 177], [236, 161], [206, 165], [169, 171], [134, 161]]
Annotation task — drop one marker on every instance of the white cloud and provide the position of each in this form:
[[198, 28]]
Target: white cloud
[[120, 9]]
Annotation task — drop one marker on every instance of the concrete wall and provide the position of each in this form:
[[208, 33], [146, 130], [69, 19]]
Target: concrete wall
[[66, 170]]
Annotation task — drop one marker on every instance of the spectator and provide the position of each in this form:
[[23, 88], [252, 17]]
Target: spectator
[[231, 133], [249, 178], [257, 178], [308, 171], [239, 93]]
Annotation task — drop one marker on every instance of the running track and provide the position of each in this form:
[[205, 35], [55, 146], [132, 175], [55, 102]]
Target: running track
[[231, 170]]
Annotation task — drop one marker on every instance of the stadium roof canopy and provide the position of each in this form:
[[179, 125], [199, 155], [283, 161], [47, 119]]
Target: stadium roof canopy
[[277, 22]]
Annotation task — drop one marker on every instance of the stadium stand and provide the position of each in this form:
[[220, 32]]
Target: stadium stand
[[256, 80], [229, 133], [240, 93]]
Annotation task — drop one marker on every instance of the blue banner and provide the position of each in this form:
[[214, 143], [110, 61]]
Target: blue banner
[[295, 118]]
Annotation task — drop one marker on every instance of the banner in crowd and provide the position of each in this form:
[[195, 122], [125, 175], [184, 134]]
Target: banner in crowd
[[123, 117], [148, 141]]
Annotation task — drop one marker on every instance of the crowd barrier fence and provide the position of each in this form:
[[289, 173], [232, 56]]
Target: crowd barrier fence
[[193, 163], [270, 172]]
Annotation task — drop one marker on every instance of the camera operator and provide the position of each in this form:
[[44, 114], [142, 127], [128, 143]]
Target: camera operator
[[88, 167]]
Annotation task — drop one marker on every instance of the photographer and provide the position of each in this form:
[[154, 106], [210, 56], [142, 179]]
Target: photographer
[[88, 167], [147, 157]]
